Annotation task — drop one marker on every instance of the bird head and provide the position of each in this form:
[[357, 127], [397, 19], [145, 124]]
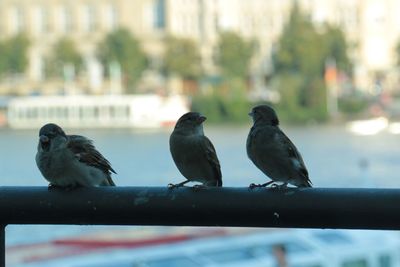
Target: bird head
[[191, 122], [50, 133], [264, 114]]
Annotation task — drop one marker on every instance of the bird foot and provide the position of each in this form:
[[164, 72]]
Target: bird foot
[[173, 186], [253, 185], [279, 187]]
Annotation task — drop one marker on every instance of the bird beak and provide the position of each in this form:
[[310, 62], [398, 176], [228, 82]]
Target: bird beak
[[44, 139], [251, 113], [201, 119]]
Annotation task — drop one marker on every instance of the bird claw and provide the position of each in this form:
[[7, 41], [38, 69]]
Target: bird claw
[[172, 186], [253, 185], [278, 187]]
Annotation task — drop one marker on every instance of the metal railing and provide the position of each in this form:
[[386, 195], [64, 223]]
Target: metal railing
[[239, 207]]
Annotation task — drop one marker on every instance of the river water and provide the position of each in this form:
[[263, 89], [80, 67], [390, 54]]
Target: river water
[[334, 157]]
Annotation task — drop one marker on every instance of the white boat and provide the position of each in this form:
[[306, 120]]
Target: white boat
[[368, 127], [394, 128], [87, 111], [231, 248]]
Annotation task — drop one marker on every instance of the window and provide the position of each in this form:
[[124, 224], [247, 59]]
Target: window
[[90, 19], [43, 20], [18, 22], [159, 14], [112, 17], [66, 21], [349, 18]]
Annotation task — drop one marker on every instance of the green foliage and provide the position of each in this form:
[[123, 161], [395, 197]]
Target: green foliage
[[64, 53], [228, 103], [3, 58], [299, 64], [182, 58], [234, 55], [14, 54], [120, 46], [301, 101], [353, 104], [336, 46], [219, 107], [398, 53], [290, 86], [209, 105], [18, 53], [299, 47]]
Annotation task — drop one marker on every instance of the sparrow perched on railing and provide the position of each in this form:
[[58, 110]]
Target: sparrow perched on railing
[[70, 160], [193, 153], [273, 152]]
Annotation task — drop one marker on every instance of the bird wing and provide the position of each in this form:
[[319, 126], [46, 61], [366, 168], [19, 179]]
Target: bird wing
[[212, 158], [294, 154], [85, 152]]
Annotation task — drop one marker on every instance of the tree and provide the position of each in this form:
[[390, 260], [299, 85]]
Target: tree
[[234, 55], [182, 58], [229, 102], [299, 65], [121, 47], [3, 58], [14, 54], [398, 53], [336, 45], [300, 48], [64, 53]]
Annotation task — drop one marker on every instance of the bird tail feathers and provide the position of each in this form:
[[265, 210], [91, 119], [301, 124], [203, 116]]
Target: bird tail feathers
[[108, 182]]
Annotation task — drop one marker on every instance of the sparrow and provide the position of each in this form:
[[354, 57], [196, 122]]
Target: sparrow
[[273, 152], [193, 153], [70, 161]]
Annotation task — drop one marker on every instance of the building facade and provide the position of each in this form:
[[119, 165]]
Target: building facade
[[371, 26]]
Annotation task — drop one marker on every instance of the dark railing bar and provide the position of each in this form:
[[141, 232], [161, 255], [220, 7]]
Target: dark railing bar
[[241, 207]]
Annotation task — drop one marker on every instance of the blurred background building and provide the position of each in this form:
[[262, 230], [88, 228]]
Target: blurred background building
[[372, 28]]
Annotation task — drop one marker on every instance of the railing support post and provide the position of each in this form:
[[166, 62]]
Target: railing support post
[[3, 245]]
